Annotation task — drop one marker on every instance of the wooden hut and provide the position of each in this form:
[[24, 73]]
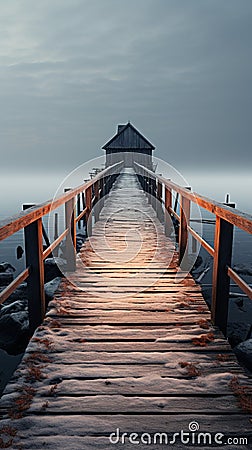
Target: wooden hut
[[129, 145]]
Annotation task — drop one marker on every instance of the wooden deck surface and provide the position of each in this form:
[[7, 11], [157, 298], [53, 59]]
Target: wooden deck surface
[[127, 343]]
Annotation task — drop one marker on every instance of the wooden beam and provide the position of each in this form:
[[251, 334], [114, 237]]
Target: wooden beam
[[240, 282], [5, 293], [70, 247], [168, 205], [55, 244], [185, 205], [97, 197], [221, 281], [159, 202], [198, 238], [88, 197], [35, 281], [81, 215]]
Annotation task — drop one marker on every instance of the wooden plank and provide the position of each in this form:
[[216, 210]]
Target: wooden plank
[[149, 384], [130, 319], [57, 442], [122, 404], [78, 344], [140, 332], [96, 425], [171, 360]]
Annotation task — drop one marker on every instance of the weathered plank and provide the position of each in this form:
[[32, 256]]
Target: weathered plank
[[98, 442], [96, 425], [131, 405]]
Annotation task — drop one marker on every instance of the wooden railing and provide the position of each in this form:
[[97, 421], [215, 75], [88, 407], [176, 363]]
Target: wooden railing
[[93, 193], [226, 218]]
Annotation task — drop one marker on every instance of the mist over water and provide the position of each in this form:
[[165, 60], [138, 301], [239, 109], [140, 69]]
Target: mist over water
[[38, 187]]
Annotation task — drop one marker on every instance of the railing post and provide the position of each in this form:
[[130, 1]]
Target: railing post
[[101, 202], [78, 209], [71, 235], [160, 213], [168, 205], [185, 205], [97, 198], [153, 192], [56, 233], [148, 181], [222, 258], [35, 281], [88, 196]]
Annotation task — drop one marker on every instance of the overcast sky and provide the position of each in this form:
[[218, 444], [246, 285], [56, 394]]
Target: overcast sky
[[71, 70]]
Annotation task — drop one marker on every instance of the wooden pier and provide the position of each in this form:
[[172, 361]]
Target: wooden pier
[[127, 343]]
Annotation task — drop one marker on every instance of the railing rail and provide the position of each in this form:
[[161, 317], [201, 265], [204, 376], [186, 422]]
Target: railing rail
[[30, 220], [226, 218]]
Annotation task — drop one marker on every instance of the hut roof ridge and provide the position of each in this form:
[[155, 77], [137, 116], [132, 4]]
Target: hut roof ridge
[[122, 130]]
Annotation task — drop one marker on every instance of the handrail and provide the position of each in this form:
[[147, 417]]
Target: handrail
[[55, 244], [11, 225], [226, 218], [31, 221], [234, 216], [5, 293]]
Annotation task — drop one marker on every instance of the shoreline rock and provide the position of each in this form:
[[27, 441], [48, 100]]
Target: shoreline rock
[[243, 352], [6, 274]]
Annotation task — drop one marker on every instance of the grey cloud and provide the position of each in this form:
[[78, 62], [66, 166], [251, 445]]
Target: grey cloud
[[181, 71]]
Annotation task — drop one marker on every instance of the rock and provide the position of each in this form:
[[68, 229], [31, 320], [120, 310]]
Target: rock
[[207, 294], [17, 306], [238, 332], [19, 294], [6, 278], [7, 268], [8, 363], [19, 252], [14, 332], [243, 269], [243, 352], [54, 268], [198, 263], [51, 287]]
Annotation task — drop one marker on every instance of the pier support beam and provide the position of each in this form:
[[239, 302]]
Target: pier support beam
[[35, 282], [71, 236], [185, 206], [168, 205], [88, 197], [221, 281]]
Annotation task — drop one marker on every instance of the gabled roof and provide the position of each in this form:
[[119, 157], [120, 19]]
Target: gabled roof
[[128, 137]]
